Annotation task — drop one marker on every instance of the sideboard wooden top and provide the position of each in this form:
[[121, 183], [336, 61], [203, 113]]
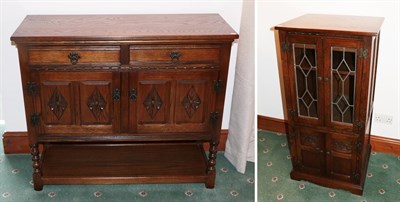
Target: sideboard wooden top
[[123, 27], [359, 25]]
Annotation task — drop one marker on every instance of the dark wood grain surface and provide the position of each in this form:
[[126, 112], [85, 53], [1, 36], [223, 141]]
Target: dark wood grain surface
[[113, 161], [123, 27], [360, 25]]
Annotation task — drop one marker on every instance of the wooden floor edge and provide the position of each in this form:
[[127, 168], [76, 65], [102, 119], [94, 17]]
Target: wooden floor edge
[[17, 142], [378, 143]]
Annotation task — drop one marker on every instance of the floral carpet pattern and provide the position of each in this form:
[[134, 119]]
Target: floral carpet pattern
[[274, 184], [16, 185]]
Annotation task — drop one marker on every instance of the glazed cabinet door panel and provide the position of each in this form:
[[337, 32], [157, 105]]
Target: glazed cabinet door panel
[[343, 88], [305, 67], [171, 101], [310, 151], [75, 102], [341, 157]]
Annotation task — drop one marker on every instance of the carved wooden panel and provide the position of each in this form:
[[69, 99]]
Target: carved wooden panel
[[191, 102], [310, 140], [95, 102], [57, 105], [153, 101], [341, 146], [194, 100]]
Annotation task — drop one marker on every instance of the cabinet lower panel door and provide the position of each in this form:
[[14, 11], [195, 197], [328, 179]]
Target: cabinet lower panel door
[[341, 160], [75, 103], [310, 152], [173, 101]]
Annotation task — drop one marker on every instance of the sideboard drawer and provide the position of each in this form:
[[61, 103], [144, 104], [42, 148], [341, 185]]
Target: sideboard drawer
[[174, 54], [67, 55]]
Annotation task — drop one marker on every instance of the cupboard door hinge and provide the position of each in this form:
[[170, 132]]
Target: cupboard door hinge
[[116, 94], [35, 119], [214, 117], [133, 94], [285, 46], [363, 53], [356, 176], [358, 145], [292, 112], [292, 132], [31, 88], [360, 125], [217, 85]]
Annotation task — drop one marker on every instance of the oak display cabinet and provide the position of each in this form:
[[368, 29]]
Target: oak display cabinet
[[123, 98], [328, 68]]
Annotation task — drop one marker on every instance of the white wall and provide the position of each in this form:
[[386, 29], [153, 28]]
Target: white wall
[[387, 90], [13, 12]]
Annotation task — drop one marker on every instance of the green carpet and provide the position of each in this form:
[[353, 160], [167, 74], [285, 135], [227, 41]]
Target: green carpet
[[274, 183], [15, 185]]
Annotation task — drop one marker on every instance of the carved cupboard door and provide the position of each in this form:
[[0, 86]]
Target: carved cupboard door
[[305, 68], [343, 87], [341, 157], [310, 156], [171, 101], [78, 102]]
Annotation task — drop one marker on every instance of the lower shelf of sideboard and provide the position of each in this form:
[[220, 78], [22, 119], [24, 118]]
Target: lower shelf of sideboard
[[123, 164]]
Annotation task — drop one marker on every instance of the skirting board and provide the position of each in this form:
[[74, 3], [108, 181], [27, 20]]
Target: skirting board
[[17, 142], [378, 143]]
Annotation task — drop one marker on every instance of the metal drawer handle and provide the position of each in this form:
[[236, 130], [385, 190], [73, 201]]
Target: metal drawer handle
[[175, 56], [74, 57], [133, 94]]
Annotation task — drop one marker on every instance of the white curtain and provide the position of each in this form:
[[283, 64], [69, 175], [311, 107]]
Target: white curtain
[[240, 146]]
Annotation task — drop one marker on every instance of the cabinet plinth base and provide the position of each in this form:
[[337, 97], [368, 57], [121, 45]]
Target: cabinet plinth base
[[326, 182], [124, 164]]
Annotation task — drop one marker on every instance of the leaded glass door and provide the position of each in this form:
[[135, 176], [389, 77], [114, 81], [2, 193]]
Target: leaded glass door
[[305, 65], [343, 65]]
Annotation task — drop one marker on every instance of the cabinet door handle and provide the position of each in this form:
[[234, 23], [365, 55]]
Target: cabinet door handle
[[133, 94], [175, 56], [74, 57], [116, 94]]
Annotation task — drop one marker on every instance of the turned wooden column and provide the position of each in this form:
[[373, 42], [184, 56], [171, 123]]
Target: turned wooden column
[[37, 182]]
